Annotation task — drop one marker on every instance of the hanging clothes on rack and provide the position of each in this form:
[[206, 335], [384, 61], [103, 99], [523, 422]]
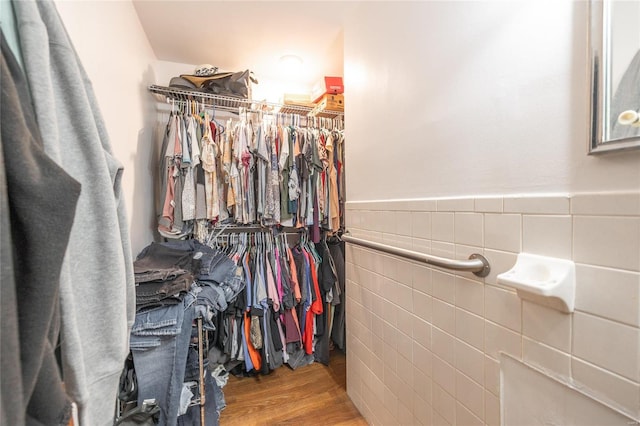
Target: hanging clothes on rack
[[284, 313], [267, 169], [264, 173]]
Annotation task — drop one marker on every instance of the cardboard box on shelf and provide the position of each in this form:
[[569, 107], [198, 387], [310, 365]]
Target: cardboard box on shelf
[[328, 85], [329, 103], [297, 99]]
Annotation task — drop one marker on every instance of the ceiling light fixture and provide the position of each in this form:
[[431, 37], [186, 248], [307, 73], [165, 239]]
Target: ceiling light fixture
[[290, 62]]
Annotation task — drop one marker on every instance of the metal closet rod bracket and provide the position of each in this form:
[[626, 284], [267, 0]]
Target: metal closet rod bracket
[[477, 263]]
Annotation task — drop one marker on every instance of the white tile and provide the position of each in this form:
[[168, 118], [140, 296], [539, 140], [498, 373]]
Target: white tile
[[390, 266], [405, 346], [421, 225], [376, 221], [422, 412], [403, 223], [443, 249], [492, 375], [546, 325], [377, 326], [390, 356], [621, 204], [421, 278], [608, 386], [547, 236], [546, 357], [444, 316], [503, 307], [455, 205], [444, 377], [608, 344], [500, 262], [442, 227], [470, 361], [443, 286], [499, 339], [466, 417], [405, 371], [442, 345], [469, 229], [470, 394], [377, 305], [400, 205], [405, 297], [405, 322], [405, 273], [488, 205], [395, 240], [389, 223], [607, 241], [439, 420], [423, 205], [376, 364], [503, 232], [421, 245], [377, 262], [537, 205], [389, 334], [422, 359], [422, 384], [390, 314], [422, 305], [353, 205], [469, 295], [470, 328], [608, 293], [422, 332], [444, 403], [405, 415], [392, 385], [491, 409]]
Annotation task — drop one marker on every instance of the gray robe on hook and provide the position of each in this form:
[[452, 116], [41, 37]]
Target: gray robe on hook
[[97, 292]]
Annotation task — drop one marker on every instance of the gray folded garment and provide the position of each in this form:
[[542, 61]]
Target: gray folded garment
[[297, 356]]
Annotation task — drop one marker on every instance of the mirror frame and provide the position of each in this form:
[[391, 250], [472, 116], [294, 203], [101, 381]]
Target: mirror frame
[[600, 61]]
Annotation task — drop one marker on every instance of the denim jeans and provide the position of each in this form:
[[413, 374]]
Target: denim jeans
[[156, 257], [159, 344], [213, 395], [215, 266], [157, 290]]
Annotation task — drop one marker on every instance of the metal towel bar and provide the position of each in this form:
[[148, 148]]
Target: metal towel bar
[[477, 263]]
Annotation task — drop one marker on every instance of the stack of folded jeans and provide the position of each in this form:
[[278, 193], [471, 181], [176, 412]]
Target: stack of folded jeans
[[216, 269], [177, 282], [162, 275]]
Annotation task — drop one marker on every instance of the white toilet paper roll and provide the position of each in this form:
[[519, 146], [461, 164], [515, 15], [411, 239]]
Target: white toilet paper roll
[[629, 117]]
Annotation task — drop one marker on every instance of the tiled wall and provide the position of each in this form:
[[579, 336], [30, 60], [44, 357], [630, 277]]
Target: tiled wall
[[424, 343]]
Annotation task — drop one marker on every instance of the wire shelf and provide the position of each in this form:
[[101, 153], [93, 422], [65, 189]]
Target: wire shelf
[[231, 104]]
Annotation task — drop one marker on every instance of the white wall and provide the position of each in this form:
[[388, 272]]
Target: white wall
[[467, 129], [466, 98], [117, 56]]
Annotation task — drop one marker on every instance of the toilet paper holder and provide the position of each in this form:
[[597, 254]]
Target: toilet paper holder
[[542, 279]]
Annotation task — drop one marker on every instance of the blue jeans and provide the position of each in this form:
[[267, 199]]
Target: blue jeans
[[159, 344]]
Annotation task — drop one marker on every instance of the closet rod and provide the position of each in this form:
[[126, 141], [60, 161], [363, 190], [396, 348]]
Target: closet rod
[[477, 263], [230, 103]]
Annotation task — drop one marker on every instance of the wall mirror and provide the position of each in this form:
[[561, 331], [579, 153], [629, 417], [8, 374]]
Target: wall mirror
[[614, 44]]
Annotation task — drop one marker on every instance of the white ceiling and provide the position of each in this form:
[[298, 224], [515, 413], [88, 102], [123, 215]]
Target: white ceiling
[[235, 35]]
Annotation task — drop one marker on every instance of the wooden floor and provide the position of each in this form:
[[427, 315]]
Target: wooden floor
[[310, 395]]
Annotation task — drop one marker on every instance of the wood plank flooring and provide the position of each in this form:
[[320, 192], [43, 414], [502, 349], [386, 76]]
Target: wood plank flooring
[[310, 395]]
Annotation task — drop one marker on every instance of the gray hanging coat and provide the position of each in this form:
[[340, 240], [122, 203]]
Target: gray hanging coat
[[97, 293]]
